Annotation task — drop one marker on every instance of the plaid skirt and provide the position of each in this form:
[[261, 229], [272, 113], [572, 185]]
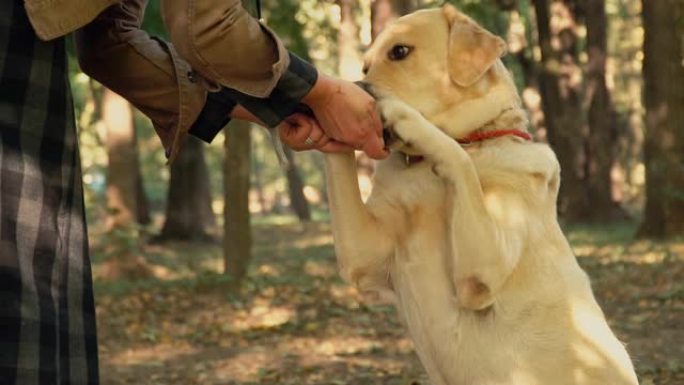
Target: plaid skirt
[[47, 313]]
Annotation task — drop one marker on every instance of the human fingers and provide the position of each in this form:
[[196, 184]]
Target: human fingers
[[334, 146], [295, 129], [293, 137], [374, 118], [317, 137], [375, 148]]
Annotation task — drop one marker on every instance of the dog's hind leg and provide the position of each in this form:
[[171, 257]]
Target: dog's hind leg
[[362, 244]]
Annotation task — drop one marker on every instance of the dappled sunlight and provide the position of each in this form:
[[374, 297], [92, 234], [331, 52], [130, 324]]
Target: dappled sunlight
[[297, 236], [644, 253], [153, 355], [315, 241], [295, 322], [319, 269], [248, 365]]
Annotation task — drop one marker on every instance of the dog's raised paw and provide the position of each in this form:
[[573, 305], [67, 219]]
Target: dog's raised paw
[[401, 121], [394, 110]]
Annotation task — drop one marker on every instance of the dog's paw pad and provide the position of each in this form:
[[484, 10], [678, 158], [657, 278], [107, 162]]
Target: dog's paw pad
[[473, 294]]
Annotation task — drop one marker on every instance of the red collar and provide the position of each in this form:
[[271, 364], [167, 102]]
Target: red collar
[[476, 136], [479, 136]]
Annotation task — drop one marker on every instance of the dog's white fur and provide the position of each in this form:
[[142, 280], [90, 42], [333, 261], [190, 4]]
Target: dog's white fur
[[468, 242]]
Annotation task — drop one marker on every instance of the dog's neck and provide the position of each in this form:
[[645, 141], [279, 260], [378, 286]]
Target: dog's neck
[[511, 121]]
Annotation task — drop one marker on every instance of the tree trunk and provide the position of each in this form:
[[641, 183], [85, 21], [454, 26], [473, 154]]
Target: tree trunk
[[561, 102], [237, 239], [601, 150], [521, 51], [143, 212], [123, 181], [295, 187], [188, 204], [122, 172], [257, 183], [664, 101], [93, 112]]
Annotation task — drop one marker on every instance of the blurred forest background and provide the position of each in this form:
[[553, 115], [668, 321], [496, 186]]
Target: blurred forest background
[[220, 270]]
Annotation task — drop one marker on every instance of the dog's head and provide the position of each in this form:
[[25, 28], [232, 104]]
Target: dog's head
[[445, 65]]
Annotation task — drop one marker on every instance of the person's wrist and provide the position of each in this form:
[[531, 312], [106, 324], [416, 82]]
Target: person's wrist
[[319, 90]]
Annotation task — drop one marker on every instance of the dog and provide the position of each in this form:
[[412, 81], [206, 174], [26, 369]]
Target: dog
[[461, 227]]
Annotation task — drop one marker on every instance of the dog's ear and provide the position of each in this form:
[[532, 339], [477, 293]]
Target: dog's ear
[[472, 49]]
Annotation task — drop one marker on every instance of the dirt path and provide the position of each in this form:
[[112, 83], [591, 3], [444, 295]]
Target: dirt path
[[295, 322]]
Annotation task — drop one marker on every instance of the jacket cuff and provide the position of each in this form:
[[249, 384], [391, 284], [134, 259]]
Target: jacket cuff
[[284, 100], [214, 116]]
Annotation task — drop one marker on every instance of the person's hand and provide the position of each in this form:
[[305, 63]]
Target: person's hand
[[302, 132], [347, 114]]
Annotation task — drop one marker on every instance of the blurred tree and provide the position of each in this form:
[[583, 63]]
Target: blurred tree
[[625, 80], [237, 238], [578, 113], [123, 170], [123, 189], [257, 172], [348, 44], [507, 5], [664, 100], [560, 81], [143, 206], [384, 11], [295, 186], [292, 31], [188, 207], [601, 118]]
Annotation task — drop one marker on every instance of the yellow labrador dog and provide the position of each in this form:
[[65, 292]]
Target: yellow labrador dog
[[461, 225]]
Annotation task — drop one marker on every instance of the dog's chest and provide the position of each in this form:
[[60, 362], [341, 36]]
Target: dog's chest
[[410, 188]]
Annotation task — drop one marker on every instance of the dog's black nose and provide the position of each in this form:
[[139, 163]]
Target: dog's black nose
[[365, 86]]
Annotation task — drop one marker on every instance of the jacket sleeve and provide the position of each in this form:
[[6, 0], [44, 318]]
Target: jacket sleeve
[[150, 74], [244, 59], [283, 101], [146, 71], [225, 44]]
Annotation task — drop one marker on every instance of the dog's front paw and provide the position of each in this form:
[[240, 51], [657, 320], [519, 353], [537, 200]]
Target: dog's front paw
[[405, 124]]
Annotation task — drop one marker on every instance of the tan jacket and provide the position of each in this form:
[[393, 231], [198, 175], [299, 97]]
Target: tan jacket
[[55, 18], [219, 39]]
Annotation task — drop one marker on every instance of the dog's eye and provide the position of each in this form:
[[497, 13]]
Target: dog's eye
[[399, 52]]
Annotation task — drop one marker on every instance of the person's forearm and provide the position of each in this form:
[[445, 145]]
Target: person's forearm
[[286, 98]]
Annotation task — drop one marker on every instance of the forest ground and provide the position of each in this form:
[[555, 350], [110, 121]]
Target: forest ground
[[294, 322]]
